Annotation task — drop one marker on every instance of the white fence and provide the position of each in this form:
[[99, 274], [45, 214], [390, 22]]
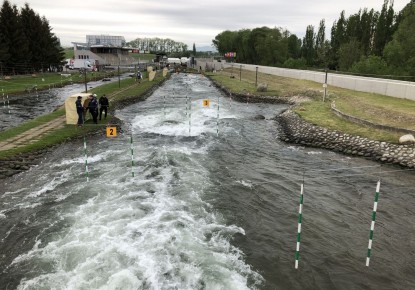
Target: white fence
[[399, 89]]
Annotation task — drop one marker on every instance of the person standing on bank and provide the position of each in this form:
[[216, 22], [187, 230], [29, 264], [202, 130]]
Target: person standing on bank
[[93, 108], [103, 106], [80, 111]]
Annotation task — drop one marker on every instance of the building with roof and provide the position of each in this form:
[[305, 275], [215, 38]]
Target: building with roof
[[104, 50]]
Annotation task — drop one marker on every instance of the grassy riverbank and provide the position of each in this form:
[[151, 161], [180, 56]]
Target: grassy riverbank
[[375, 108], [117, 92]]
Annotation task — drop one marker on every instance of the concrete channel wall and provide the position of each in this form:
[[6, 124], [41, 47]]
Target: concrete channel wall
[[393, 88]]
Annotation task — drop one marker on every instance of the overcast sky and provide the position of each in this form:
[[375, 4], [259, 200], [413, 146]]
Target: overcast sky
[[188, 21]]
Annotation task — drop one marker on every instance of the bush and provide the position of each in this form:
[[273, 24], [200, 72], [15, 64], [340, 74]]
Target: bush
[[299, 63], [370, 65]]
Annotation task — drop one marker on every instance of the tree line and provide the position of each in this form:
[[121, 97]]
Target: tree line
[[156, 45], [366, 42], [27, 42]]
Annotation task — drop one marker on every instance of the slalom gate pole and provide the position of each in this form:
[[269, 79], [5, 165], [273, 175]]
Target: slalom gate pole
[[186, 105], [300, 218], [86, 161], [4, 102], [8, 104], [132, 154], [372, 226], [217, 120], [164, 106], [190, 116], [37, 95], [230, 101]]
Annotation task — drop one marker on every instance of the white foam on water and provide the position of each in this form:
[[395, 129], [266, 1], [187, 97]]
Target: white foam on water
[[245, 183], [144, 232], [13, 192], [314, 152]]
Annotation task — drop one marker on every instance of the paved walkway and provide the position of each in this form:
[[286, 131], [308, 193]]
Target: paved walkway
[[33, 135]]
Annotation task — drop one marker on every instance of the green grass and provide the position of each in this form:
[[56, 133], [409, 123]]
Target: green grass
[[129, 89], [11, 132], [19, 84], [143, 56], [375, 108]]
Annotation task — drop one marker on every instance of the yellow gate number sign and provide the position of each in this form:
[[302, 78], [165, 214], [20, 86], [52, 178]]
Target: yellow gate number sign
[[206, 103], [111, 131]]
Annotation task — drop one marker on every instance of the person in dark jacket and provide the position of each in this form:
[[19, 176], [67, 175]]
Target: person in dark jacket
[[103, 106], [79, 111], [93, 108]]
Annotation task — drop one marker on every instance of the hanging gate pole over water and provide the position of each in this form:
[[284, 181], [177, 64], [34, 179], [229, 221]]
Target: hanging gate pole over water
[[217, 120], [8, 104], [190, 115], [132, 153], [372, 226], [86, 162], [300, 217], [164, 106], [186, 106], [230, 101]]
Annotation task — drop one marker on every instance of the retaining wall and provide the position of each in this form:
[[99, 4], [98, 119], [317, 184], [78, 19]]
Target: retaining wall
[[295, 130], [393, 88]]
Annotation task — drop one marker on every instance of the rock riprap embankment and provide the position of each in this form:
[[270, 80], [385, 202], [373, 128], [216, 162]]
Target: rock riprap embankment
[[295, 130]]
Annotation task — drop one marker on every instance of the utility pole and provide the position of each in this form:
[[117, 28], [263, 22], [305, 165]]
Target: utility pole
[[256, 77]]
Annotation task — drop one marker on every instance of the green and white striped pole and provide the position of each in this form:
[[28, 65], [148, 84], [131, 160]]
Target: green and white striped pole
[[230, 101], [86, 161], [4, 101], [190, 116], [8, 105], [217, 120], [132, 154], [300, 218], [372, 226], [186, 106], [164, 106]]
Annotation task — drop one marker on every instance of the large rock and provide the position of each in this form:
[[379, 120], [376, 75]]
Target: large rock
[[407, 139]]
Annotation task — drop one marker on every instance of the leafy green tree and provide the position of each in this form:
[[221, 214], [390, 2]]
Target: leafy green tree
[[294, 46], [322, 46], [368, 21], [299, 63], [400, 52], [349, 53], [308, 48], [384, 28], [372, 64]]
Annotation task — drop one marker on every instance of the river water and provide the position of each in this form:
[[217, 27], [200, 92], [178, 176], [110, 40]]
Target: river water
[[213, 204], [17, 109]]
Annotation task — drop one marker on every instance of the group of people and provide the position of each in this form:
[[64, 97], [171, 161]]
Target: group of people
[[92, 105]]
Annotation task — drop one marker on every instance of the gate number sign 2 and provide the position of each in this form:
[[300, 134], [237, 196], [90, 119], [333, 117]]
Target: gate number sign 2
[[111, 131]]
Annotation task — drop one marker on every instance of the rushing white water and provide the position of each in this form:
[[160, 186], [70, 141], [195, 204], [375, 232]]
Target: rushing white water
[[212, 205], [153, 231]]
